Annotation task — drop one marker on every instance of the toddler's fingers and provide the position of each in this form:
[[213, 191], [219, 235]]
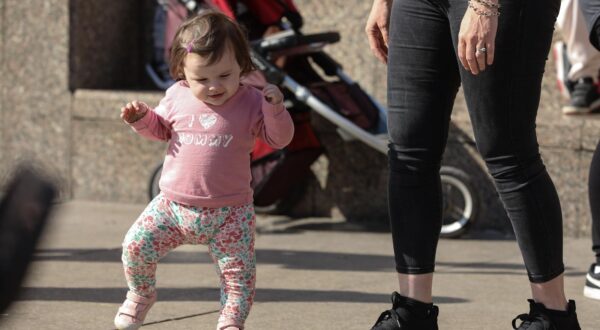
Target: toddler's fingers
[[130, 110], [267, 93]]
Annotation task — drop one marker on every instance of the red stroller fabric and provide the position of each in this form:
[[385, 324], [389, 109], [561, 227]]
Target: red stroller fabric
[[268, 12]]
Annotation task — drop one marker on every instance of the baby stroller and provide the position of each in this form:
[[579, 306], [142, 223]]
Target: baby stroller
[[312, 81]]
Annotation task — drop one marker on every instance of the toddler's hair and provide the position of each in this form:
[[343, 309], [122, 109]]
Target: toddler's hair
[[208, 35]]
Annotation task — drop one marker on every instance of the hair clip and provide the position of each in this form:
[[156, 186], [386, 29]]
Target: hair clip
[[190, 45]]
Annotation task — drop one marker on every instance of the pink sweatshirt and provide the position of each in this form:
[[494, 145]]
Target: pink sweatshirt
[[208, 159]]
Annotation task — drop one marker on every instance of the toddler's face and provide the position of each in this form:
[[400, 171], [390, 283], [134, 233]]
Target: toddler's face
[[214, 83]]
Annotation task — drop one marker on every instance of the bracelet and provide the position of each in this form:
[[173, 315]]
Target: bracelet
[[489, 4], [481, 12]]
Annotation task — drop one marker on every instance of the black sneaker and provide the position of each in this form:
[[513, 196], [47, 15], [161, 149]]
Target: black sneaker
[[592, 283], [408, 314], [584, 98], [540, 318]]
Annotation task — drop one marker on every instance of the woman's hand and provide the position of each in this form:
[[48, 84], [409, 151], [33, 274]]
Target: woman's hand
[[134, 111], [477, 39], [377, 28], [272, 94]]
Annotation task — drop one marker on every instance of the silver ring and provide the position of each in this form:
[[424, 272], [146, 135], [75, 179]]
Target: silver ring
[[482, 50]]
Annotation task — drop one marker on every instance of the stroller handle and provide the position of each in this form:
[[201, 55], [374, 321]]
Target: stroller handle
[[272, 74], [288, 39]]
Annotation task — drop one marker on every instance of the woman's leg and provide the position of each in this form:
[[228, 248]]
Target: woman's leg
[[503, 102], [423, 81], [232, 248], [594, 196]]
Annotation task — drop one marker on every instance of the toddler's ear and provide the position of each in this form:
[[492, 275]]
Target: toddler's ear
[[181, 74]]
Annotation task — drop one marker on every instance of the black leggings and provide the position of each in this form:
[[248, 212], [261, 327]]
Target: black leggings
[[594, 195], [423, 79]]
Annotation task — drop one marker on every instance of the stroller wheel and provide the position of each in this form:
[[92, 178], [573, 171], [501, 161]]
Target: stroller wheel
[[460, 203], [153, 188]]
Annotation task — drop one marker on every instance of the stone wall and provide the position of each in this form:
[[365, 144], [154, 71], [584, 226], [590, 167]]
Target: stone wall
[[107, 44], [68, 66], [36, 109], [110, 162], [3, 167]]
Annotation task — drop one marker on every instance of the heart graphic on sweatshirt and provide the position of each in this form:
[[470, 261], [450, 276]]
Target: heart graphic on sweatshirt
[[207, 120]]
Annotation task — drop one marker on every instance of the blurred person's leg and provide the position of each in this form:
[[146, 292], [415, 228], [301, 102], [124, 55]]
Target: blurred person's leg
[[583, 58], [591, 12], [24, 210]]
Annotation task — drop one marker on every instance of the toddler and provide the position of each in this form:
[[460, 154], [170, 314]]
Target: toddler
[[210, 121]]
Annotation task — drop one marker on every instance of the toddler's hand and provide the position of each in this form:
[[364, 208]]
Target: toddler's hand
[[134, 111], [272, 94]]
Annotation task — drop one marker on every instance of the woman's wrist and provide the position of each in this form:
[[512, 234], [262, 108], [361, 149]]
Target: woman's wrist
[[487, 8], [492, 4]]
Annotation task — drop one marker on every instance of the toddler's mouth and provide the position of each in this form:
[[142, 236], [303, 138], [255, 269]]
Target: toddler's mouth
[[216, 96]]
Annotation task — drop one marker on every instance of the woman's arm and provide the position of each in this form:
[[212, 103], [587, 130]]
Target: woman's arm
[[377, 28]]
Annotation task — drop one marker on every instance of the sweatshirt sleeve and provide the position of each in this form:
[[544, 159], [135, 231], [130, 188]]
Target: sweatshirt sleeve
[[275, 127], [155, 125]]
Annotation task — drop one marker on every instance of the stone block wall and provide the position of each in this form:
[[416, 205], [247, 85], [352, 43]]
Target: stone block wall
[[107, 43], [35, 103], [110, 161]]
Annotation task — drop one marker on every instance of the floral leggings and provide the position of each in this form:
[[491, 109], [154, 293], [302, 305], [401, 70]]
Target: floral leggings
[[229, 234]]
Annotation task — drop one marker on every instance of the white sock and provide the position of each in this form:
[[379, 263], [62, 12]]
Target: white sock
[[597, 269]]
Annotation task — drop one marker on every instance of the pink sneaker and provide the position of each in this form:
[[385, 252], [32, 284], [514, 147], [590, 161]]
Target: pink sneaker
[[132, 313]]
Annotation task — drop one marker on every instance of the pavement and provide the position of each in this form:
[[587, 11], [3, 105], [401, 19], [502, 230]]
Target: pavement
[[315, 273]]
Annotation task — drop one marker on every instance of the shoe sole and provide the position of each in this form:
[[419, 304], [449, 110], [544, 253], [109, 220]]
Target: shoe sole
[[131, 326], [592, 287], [128, 327], [561, 75], [591, 293]]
